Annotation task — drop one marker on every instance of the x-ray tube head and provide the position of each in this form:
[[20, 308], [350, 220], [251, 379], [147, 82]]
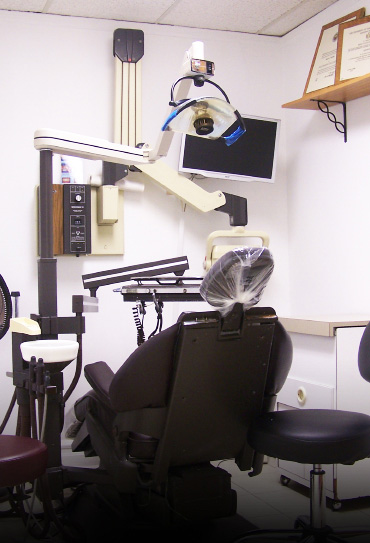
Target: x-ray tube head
[[207, 117]]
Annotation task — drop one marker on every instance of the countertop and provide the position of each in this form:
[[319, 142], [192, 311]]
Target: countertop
[[323, 325]]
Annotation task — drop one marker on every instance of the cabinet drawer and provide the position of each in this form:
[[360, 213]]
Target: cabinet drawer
[[302, 394]]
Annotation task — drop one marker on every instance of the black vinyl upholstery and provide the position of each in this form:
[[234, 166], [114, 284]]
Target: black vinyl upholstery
[[313, 436], [143, 380], [187, 396], [317, 437], [364, 355], [245, 371]]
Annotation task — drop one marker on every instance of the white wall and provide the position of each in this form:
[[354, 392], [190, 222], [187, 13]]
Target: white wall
[[328, 188], [58, 72]]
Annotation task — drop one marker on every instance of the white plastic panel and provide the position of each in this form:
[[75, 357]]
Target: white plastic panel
[[299, 393], [314, 359]]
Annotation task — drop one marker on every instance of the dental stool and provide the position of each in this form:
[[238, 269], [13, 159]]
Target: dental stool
[[183, 401], [316, 437], [22, 459]]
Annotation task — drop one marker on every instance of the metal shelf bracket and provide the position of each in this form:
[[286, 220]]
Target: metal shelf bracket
[[340, 127]]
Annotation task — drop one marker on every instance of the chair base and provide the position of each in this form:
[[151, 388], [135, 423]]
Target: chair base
[[310, 529], [191, 494]]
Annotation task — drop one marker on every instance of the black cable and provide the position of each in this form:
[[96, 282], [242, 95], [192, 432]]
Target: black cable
[[139, 308], [78, 370], [9, 412], [5, 307], [159, 309], [198, 79], [6, 310]]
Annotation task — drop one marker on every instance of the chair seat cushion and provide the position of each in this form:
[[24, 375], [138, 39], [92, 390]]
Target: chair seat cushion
[[312, 436], [22, 459]]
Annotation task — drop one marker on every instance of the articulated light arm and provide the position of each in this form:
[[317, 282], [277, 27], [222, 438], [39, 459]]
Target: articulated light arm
[[159, 172], [187, 191], [164, 139], [67, 143], [147, 160]]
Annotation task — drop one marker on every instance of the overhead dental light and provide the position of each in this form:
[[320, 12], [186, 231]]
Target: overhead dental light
[[206, 116], [209, 117]]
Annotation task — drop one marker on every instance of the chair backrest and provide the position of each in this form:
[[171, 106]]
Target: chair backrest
[[218, 386], [364, 354], [216, 370]]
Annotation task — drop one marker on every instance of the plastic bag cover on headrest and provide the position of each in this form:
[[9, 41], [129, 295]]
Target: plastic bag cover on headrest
[[239, 276]]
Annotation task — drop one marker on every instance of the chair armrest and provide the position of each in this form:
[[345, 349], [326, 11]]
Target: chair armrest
[[99, 376]]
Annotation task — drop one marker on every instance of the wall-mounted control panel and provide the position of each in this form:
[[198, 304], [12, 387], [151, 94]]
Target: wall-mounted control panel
[[87, 220], [76, 219]]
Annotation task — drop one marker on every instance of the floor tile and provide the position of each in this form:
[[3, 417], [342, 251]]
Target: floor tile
[[262, 500]]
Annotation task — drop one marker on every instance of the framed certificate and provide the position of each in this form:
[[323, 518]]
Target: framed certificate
[[323, 68], [353, 55]]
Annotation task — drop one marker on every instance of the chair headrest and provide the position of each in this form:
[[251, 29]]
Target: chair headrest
[[239, 276]]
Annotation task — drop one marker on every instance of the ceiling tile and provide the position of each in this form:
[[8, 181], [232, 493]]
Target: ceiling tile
[[240, 15], [122, 10], [295, 17], [21, 5], [272, 17]]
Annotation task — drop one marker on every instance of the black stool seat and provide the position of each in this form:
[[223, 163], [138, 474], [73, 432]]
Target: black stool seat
[[312, 436], [22, 459]]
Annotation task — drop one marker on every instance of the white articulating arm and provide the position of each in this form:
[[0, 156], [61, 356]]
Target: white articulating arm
[[182, 90], [187, 191], [147, 160], [165, 138], [159, 172], [67, 143]]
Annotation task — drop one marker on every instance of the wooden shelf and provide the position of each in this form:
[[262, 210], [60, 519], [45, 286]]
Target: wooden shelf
[[343, 92]]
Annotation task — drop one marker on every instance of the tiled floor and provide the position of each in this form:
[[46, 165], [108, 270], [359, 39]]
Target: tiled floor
[[262, 500], [269, 504]]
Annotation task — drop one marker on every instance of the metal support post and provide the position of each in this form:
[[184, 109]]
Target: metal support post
[[47, 264]]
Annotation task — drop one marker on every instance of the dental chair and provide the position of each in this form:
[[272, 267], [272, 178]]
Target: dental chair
[[184, 400]]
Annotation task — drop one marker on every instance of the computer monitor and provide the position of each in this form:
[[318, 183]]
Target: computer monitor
[[251, 158]]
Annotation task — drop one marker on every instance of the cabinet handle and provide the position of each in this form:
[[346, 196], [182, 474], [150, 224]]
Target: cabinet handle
[[301, 395]]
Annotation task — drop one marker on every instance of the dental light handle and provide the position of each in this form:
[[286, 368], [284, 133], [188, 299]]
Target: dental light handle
[[182, 90], [165, 138]]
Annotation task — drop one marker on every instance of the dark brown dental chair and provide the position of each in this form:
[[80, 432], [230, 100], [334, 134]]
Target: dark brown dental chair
[[184, 399]]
